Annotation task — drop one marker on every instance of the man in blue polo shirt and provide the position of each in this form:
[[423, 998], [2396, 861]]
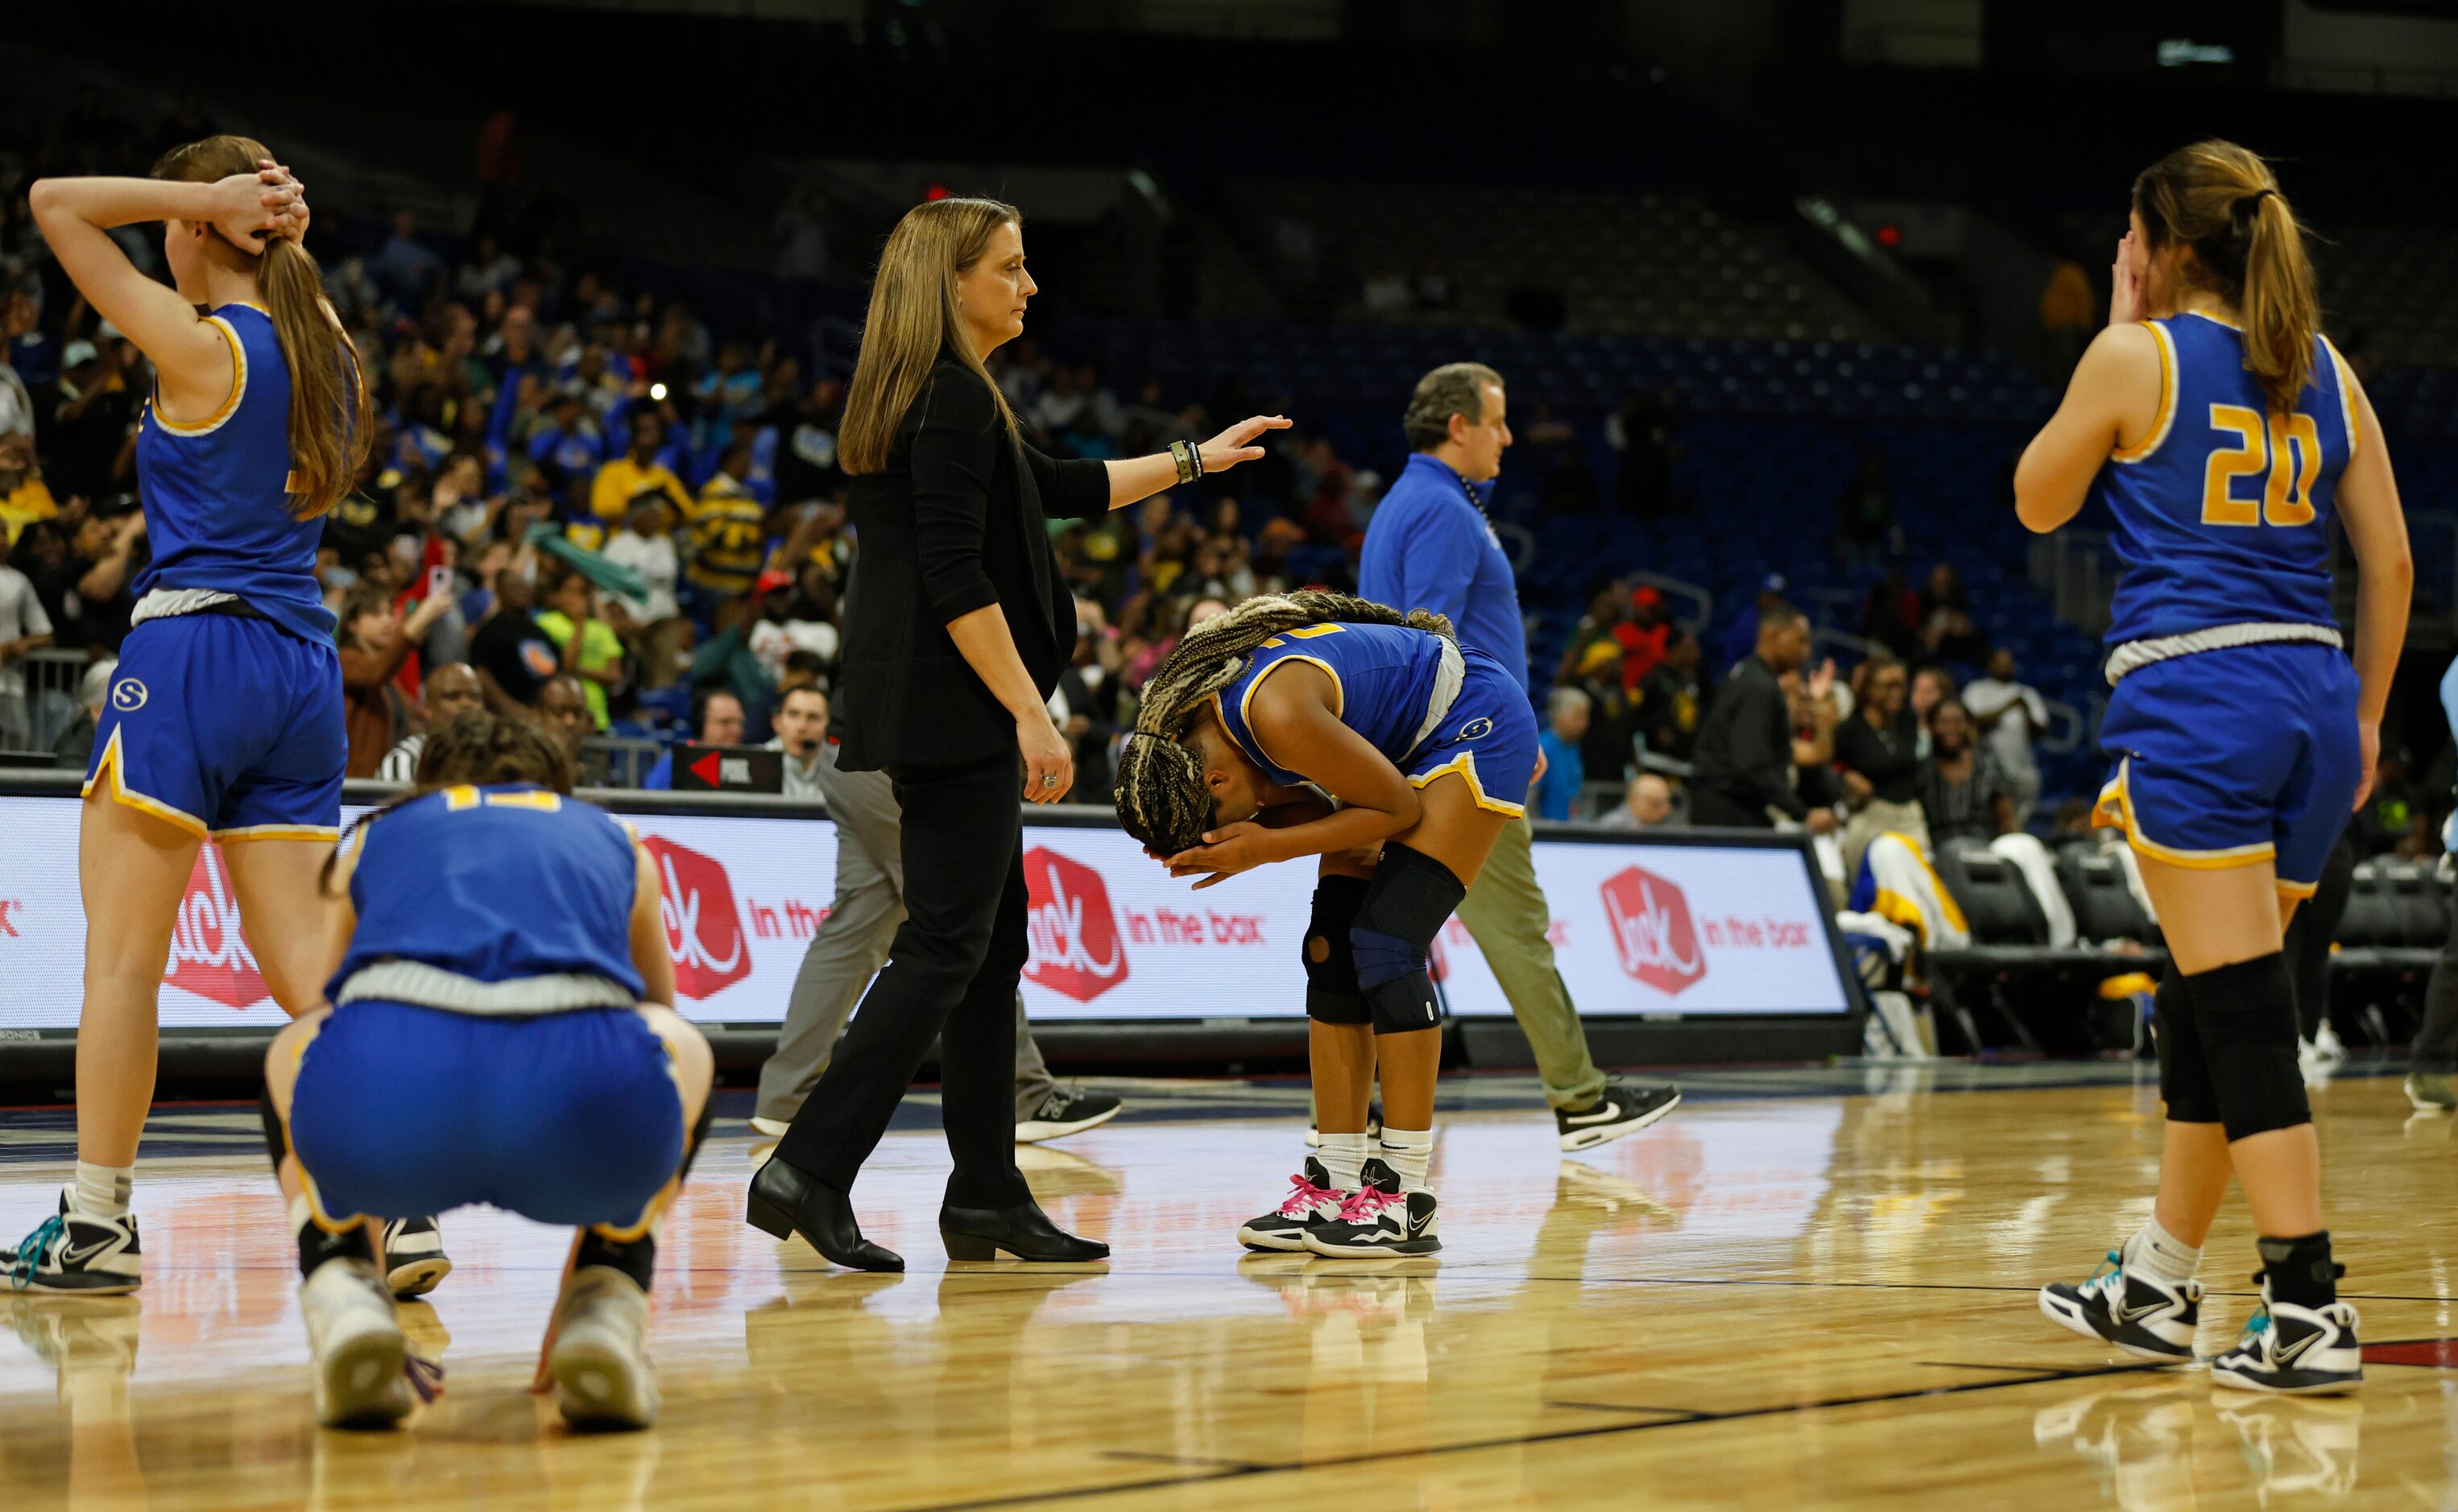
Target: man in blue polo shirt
[[1429, 546]]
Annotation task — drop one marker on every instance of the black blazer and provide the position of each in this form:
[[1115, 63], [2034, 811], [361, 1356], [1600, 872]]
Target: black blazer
[[956, 521]]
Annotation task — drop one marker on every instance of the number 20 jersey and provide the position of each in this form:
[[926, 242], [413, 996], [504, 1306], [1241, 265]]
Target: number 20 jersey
[[2223, 512]]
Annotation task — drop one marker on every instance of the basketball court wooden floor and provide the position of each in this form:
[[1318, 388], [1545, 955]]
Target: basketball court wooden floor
[[1808, 1288]]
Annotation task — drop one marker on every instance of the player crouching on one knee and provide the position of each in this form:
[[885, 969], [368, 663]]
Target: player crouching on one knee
[[1258, 715], [500, 1034]]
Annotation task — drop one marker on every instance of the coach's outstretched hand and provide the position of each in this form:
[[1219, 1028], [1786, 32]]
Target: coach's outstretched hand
[[1236, 444]]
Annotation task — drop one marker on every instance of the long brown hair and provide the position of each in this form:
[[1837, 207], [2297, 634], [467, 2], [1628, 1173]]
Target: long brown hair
[[1160, 795], [331, 425], [913, 319], [2223, 202]]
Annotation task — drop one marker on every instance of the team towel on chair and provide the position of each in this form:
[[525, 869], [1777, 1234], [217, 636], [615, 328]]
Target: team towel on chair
[[1897, 883]]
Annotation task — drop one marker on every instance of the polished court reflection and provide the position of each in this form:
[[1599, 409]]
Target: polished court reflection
[[1806, 1289]]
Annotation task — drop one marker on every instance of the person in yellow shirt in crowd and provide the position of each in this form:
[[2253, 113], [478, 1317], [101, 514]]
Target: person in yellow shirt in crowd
[[728, 529], [24, 498], [638, 471], [590, 648]]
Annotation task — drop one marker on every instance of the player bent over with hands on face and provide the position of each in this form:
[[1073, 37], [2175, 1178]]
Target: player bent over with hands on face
[[1255, 719], [500, 1034]]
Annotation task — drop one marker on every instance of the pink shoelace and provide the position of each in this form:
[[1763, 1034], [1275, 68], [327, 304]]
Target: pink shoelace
[[1367, 1204], [1306, 1197]]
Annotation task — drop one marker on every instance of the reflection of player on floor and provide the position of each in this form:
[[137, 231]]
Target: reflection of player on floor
[[224, 717], [1254, 713], [2221, 430], [501, 1035], [851, 942]]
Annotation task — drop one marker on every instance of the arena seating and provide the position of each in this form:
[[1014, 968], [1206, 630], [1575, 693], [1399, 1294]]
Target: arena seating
[[1644, 264]]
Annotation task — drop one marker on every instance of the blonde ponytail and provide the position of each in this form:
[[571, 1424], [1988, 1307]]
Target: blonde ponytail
[[2281, 309], [2223, 203], [331, 423]]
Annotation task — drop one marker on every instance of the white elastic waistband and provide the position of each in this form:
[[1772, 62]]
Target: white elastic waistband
[[2135, 654], [165, 603], [1449, 675], [426, 986]]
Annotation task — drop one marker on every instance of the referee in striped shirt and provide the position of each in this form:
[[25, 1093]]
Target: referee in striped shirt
[[452, 689]]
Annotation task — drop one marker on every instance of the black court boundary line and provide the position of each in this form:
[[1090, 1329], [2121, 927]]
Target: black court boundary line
[[1684, 1417]]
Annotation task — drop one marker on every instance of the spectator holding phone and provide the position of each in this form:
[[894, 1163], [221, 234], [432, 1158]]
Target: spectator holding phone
[[375, 637]]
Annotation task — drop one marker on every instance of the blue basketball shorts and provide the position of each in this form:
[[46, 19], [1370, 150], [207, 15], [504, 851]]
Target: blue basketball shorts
[[2232, 757], [567, 1118], [225, 726], [1488, 737]]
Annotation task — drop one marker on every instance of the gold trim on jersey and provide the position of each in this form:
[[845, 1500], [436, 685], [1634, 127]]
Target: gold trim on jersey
[[1246, 701], [110, 766], [2114, 811], [2166, 416], [2349, 410], [229, 405], [1465, 764]]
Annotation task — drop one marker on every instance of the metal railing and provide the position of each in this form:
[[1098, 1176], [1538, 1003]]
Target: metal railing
[[51, 683], [1703, 603], [619, 761]]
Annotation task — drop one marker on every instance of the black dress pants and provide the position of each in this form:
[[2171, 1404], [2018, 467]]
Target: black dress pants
[[950, 975]]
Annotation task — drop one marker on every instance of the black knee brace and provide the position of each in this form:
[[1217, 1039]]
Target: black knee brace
[[2184, 1071], [1332, 993], [1408, 899], [277, 1136], [2246, 1015]]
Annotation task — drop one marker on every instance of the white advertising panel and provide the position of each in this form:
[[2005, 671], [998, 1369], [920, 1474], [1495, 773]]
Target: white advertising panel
[[1654, 929]]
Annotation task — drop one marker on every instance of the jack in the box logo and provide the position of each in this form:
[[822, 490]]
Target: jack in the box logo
[[704, 925], [1651, 930], [209, 952], [1076, 950]]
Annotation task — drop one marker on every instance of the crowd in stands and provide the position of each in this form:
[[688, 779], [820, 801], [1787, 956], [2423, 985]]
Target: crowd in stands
[[582, 501], [585, 503]]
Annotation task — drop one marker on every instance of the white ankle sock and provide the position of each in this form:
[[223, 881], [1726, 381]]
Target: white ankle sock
[[2161, 1255], [1408, 1152], [102, 1191], [1341, 1154]]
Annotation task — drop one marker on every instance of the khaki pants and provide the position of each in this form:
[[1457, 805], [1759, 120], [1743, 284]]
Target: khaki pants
[[1507, 915], [1872, 820]]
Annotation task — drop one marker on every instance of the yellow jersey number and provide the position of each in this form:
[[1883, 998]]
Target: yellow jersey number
[[2288, 447]]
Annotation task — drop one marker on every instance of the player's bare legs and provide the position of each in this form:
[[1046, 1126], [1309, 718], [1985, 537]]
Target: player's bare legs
[[132, 870]]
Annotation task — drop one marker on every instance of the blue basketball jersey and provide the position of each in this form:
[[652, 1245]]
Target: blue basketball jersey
[[495, 884], [216, 493], [1385, 674], [2224, 510]]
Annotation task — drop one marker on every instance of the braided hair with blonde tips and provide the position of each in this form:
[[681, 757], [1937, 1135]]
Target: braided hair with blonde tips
[[1160, 795]]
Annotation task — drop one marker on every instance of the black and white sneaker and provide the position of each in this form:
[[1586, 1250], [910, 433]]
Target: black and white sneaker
[[1373, 1127], [1378, 1218], [415, 1257], [77, 1254], [2136, 1313], [1620, 1110], [1064, 1113], [2295, 1351], [1312, 1200]]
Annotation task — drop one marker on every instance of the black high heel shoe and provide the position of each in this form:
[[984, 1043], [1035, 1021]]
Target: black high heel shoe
[[1023, 1231], [786, 1199]]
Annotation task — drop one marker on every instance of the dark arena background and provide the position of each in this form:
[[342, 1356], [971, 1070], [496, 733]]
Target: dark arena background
[[1778, 290]]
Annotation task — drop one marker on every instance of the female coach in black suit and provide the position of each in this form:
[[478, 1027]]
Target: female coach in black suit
[[958, 626]]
